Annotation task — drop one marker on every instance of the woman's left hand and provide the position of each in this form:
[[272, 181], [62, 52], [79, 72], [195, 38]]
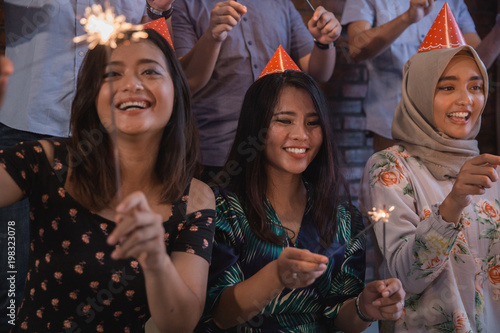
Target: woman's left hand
[[383, 299], [139, 233]]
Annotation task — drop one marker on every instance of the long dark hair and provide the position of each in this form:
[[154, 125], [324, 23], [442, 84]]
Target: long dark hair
[[245, 166], [90, 145]]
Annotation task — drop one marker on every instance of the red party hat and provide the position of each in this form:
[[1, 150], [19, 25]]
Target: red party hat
[[444, 33], [160, 25], [280, 61]]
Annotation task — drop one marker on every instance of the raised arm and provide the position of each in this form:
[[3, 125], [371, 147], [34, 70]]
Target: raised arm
[[366, 42], [489, 48], [200, 62], [325, 29], [10, 192], [176, 284]]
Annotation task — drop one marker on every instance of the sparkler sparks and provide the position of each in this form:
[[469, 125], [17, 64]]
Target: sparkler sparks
[[105, 28], [380, 214]]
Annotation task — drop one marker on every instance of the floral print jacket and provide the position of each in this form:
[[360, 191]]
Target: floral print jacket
[[451, 273]]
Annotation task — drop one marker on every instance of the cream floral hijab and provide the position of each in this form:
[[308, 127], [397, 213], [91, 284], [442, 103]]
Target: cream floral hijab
[[413, 123]]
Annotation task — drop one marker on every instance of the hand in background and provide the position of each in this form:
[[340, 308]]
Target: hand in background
[[224, 17], [324, 26], [419, 9]]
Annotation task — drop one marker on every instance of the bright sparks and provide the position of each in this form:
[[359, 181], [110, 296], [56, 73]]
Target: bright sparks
[[380, 214], [103, 27]]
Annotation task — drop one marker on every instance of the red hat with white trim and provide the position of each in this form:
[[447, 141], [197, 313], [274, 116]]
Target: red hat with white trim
[[280, 61], [444, 33]]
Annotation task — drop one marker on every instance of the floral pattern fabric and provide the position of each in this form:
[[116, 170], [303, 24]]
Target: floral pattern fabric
[[239, 254], [451, 273], [73, 285]]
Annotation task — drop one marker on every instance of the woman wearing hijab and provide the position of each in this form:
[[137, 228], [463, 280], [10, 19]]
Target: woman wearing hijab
[[443, 234]]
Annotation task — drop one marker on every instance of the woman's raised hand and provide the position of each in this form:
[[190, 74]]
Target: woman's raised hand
[[476, 175], [298, 268], [382, 299], [139, 233]]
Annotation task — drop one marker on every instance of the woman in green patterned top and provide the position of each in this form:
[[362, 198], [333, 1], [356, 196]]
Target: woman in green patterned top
[[285, 257]]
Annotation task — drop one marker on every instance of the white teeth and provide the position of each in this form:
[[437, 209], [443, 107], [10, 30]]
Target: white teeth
[[132, 105], [296, 150], [459, 114]]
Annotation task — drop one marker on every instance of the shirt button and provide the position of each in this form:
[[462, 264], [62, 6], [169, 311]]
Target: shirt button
[[81, 53], [250, 43], [245, 19], [254, 66]]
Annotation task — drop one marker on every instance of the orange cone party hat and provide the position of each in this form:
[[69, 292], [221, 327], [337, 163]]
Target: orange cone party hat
[[444, 33], [160, 25], [280, 61]]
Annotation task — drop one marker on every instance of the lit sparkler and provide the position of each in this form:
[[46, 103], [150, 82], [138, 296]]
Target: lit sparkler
[[382, 215], [105, 28]]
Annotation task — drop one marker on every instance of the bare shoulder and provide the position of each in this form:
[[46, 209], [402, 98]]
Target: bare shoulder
[[200, 197], [48, 149]]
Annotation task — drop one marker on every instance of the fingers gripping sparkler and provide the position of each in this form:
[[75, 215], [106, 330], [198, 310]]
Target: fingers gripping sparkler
[[103, 27]]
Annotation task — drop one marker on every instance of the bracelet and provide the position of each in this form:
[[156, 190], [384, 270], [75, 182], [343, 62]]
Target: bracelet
[[156, 14], [358, 311], [324, 46]]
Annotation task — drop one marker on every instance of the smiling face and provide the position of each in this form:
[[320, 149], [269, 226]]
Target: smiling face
[[294, 136], [143, 93], [459, 97]]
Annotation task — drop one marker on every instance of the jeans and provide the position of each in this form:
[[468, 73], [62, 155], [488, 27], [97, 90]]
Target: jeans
[[14, 220]]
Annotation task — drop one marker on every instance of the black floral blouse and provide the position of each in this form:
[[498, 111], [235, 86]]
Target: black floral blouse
[[73, 285]]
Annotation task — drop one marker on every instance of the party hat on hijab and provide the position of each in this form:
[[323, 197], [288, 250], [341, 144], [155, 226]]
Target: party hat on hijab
[[280, 61], [160, 25], [444, 33]]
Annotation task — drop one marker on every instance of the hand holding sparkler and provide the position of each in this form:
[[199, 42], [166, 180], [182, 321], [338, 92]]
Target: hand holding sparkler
[[224, 17], [298, 268], [476, 175], [324, 26], [382, 300]]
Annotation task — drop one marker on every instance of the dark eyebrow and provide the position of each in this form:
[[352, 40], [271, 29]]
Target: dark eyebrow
[[291, 113], [454, 78], [141, 61]]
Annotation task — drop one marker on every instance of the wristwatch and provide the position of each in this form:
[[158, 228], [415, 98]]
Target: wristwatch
[[156, 14], [324, 46]]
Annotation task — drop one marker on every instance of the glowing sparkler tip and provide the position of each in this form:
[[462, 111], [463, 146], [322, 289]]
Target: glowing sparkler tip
[[380, 214], [103, 27]]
